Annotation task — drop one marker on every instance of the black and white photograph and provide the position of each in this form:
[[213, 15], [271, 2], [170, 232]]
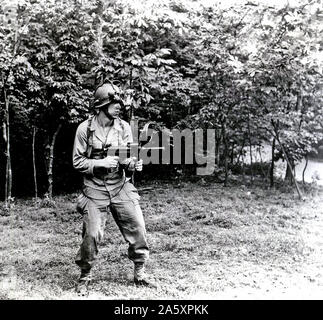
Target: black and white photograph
[[161, 150]]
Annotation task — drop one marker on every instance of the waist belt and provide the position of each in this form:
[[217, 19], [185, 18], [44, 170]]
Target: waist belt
[[101, 172]]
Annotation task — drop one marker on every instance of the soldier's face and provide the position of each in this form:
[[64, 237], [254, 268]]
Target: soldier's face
[[112, 110]]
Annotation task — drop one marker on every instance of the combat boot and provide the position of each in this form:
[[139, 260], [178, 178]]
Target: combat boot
[[82, 287], [140, 277]]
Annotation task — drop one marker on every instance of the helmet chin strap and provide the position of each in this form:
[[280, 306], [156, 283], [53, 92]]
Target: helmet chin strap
[[107, 113], [109, 116]]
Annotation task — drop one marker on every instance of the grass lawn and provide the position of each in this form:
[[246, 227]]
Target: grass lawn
[[206, 242]]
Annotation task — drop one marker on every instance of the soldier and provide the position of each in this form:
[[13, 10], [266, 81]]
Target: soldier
[[106, 186]]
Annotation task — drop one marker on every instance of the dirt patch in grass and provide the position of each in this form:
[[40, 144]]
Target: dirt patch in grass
[[206, 242]]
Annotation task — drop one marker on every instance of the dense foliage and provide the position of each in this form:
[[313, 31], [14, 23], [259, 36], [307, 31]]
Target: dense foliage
[[251, 71]]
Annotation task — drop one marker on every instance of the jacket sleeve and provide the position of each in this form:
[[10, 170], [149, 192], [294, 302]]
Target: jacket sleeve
[[80, 160]]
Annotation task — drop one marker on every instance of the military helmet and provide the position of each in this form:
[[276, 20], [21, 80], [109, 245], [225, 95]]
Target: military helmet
[[107, 93]]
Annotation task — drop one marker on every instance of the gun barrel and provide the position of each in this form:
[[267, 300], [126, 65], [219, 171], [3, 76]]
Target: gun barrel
[[152, 148], [122, 148]]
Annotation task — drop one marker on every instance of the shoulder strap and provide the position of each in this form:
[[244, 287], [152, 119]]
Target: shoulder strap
[[89, 135], [121, 124]]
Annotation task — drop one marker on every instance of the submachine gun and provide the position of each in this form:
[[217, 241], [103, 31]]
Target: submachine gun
[[131, 150]]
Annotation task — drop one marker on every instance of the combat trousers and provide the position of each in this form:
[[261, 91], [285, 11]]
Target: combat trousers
[[126, 212]]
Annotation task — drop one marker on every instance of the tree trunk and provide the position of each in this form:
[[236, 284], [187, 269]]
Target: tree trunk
[[241, 152], [243, 170], [6, 136], [264, 173], [225, 154], [303, 173], [290, 172], [218, 145], [232, 153], [251, 160], [272, 167], [132, 113], [217, 153], [6, 125], [250, 150], [50, 161], [286, 158], [34, 162]]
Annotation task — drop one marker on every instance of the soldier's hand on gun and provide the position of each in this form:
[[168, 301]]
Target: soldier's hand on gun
[[138, 166], [110, 162]]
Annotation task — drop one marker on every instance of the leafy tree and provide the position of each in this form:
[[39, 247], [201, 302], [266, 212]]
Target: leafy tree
[[59, 50], [14, 71], [251, 71]]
